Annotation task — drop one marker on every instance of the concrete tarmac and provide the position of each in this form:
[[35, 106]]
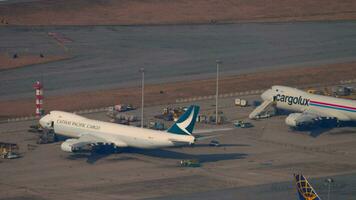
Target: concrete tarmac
[[342, 188], [254, 164], [110, 56]]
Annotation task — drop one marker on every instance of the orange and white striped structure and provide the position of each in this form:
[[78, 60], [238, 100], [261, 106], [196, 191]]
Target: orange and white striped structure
[[39, 98]]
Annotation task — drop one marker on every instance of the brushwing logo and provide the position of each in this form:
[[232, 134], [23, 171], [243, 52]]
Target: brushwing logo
[[304, 189], [184, 124]]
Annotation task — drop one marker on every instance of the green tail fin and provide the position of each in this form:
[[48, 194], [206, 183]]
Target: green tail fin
[[185, 123]]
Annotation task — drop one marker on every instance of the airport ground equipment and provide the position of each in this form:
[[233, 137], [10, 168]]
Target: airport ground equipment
[[115, 112], [324, 91], [46, 136], [123, 107], [166, 115], [241, 102], [171, 114], [210, 118], [35, 129], [123, 118], [214, 143], [190, 163], [242, 124], [9, 150], [4, 21], [177, 112], [342, 91], [313, 91], [263, 110], [10, 155], [221, 119], [156, 125], [338, 91], [202, 118], [264, 115]]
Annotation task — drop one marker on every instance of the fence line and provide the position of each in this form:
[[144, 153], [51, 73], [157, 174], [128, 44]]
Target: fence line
[[181, 100]]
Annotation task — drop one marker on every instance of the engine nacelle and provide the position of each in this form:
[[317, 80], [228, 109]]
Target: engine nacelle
[[297, 120], [70, 145]]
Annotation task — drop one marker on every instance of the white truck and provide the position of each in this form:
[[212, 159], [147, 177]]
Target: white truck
[[241, 102]]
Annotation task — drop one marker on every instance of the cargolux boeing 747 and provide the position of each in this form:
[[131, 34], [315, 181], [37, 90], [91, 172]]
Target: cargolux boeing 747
[[87, 132], [307, 107]]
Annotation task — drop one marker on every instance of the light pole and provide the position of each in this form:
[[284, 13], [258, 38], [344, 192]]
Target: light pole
[[218, 62], [329, 181], [142, 70]]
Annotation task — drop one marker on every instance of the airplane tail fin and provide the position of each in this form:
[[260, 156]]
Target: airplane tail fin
[[304, 189], [185, 124]]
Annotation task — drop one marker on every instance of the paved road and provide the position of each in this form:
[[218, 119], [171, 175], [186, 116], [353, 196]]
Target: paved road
[[110, 56], [342, 188], [14, 1]]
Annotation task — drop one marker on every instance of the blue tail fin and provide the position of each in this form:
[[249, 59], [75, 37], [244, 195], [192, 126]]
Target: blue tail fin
[[186, 122], [304, 189]]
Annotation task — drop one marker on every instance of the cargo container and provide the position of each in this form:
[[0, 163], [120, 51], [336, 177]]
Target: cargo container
[[190, 163], [241, 102]]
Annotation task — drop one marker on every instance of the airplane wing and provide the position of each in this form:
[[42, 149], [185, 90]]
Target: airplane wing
[[206, 137], [197, 138], [91, 139], [310, 117], [302, 119], [86, 140], [212, 130], [200, 138], [328, 114]]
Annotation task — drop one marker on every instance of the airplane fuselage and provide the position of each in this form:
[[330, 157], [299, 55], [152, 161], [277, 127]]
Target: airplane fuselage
[[75, 126]]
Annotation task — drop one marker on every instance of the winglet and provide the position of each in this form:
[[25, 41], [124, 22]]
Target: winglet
[[185, 123], [304, 190]]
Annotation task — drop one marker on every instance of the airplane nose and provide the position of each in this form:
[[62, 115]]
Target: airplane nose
[[267, 95], [44, 121]]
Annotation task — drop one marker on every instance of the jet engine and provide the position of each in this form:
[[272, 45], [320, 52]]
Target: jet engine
[[298, 120], [71, 145]]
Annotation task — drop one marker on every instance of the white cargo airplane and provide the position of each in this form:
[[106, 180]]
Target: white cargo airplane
[[87, 132], [308, 108]]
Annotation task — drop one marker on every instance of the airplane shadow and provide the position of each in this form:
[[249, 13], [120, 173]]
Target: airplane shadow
[[313, 131], [316, 131], [347, 124], [222, 145], [93, 157], [203, 158]]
